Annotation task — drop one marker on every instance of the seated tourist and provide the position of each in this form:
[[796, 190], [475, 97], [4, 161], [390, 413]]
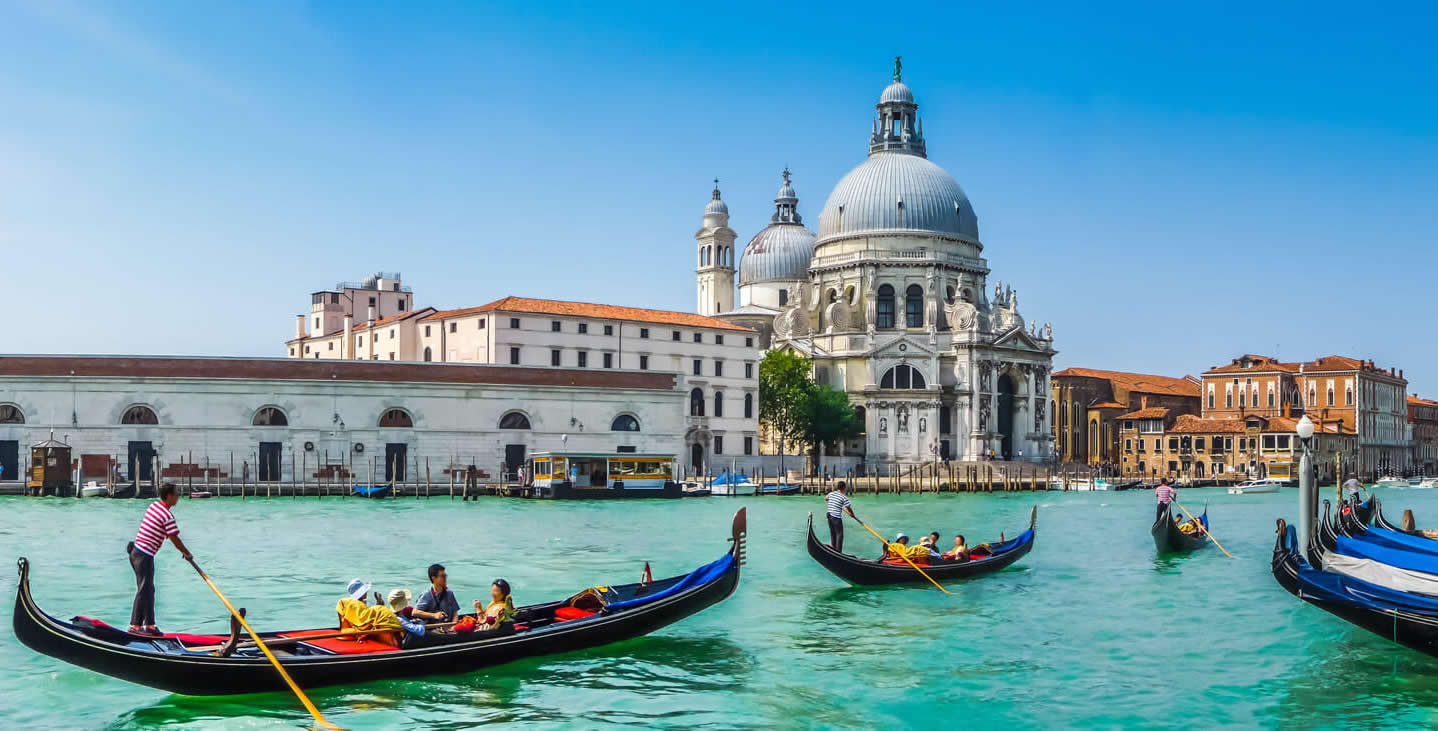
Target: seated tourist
[[931, 543], [399, 604], [500, 610], [437, 604], [378, 623], [960, 551], [900, 542]]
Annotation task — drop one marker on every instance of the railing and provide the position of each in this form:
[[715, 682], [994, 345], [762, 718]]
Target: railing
[[904, 255]]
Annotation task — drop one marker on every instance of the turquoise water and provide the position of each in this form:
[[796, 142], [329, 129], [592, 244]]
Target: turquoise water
[[1091, 629]]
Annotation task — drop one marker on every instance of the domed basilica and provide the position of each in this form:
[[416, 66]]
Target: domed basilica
[[891, 302]]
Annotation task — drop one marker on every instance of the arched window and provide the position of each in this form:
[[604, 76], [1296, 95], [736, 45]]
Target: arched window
[[398, 418], [914, 306], [427, 355], [748, 405], [718, 403], [514, 420], [624, 422], [696, 402], [11, 414], [270, 416], [139, 415], [885, 308], [902, 376], [861, 415]]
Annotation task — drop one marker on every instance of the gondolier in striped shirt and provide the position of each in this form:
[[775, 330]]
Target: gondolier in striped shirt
[[838, 505], [157, 525], [1164, 493]]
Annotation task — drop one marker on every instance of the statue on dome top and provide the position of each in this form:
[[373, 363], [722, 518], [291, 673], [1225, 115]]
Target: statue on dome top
[[898, 68]]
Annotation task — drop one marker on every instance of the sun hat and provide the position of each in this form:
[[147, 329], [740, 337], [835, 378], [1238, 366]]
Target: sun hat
[[899, 537], [398, 599], [358, 589]]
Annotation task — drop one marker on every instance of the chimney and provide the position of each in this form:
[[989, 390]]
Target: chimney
[[371, 316], [299, 326], [347, 345]]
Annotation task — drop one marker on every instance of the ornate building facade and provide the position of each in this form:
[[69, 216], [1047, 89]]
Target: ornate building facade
[[892, 303]]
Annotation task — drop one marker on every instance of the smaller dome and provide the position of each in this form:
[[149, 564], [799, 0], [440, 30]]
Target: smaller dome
[[716, 206], [897, 92], [779, 253]]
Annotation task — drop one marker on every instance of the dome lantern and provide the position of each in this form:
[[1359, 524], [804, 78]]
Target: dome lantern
[[897, 127]]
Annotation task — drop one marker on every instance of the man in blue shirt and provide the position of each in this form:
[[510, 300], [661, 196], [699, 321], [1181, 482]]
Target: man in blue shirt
[[437, 604]]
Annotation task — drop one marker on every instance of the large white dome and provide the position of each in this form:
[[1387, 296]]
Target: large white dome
[[898, 192]]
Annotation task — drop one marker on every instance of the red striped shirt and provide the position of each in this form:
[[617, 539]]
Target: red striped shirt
[[157, 525], [1164, 493]]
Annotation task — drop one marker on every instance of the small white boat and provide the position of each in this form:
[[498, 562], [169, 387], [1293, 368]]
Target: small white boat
[[94, 489], [1080, 484], [732, 485], [1428, 482], [1392, 481], [1256, 486]]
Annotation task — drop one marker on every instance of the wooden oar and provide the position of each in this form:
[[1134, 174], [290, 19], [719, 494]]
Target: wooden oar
[[890, 546], [319, 717], [1206, 531]]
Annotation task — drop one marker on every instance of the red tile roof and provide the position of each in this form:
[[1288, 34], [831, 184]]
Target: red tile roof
[[1414, 400], [1190, 424], [599, 312], [1289, 425], [1149, 413], [1139, 382], [1261, 363]]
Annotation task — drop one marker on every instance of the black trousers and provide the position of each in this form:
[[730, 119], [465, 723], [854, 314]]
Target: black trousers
[[1159, 513], [836, 532], [142, 612]]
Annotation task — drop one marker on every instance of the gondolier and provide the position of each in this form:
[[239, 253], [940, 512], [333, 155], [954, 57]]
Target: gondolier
[[157, 525], [1164, 492], [838, 505]]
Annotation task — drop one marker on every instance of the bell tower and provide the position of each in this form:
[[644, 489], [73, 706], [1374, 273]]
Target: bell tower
[[715, 272]]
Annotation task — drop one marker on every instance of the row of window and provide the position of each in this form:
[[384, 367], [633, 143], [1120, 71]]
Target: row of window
[[913, 307], [1220, 445], [719, 445], [142, 415], [696, 404]]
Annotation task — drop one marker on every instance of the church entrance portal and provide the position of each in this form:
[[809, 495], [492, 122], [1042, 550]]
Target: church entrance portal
[[1005, 414], [696, 459]]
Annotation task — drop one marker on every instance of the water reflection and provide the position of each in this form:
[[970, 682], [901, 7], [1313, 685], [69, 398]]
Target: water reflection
[[534, 690], [1363, 679]]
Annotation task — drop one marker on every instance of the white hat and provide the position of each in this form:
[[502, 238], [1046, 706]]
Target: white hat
[[398, 599], [899, 537], [358, 589]]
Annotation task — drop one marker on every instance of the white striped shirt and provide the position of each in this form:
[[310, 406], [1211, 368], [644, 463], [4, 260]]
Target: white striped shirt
[[1165, 494], [837, 502], [157, 525]]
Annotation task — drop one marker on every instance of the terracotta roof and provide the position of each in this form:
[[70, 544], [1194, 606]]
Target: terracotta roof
[[1140, 382], [1107, 405], [1190, 424], [1289, 425], [1261, 363], [1414, 400], [599, 312], [1333, 363], [1149, 413], [314, 369]]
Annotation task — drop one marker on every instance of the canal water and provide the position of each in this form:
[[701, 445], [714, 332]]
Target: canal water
[[1089, 630]]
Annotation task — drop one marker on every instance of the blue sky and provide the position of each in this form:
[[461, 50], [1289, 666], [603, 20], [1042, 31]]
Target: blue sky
[[1170, 187]]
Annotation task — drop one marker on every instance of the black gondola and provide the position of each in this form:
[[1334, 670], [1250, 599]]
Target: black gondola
[[168, 663], [1410, 620], [1167, 538], [866, 572]]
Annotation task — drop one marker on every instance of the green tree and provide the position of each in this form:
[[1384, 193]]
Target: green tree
[[785, 381], [829, 419]]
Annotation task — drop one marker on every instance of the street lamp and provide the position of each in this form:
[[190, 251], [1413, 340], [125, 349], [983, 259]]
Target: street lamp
[[1307, 491]]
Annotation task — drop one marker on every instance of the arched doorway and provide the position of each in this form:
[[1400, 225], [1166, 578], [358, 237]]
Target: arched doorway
[[696, 459], [1005, 416]]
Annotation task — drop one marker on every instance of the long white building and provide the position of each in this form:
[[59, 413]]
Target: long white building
[[271, 419]]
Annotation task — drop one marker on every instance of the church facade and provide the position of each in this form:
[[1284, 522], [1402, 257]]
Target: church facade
[[891, 301]]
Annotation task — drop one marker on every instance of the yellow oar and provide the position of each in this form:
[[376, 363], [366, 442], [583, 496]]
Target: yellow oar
[[319, 717], [1205, 530], [890, 546]]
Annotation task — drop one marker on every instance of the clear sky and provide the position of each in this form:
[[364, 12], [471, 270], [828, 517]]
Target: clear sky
[[1170, 187]]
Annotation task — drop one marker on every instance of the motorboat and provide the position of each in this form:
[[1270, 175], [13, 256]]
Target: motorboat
[[1080, 484], [1428, 482], [730, 484], [1392, 481], [1255, 486], [94, 489]]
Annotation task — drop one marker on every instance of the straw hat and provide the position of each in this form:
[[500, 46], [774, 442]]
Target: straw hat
[[398, 599]]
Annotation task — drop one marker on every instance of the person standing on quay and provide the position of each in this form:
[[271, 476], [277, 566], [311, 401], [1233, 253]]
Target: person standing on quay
[[157, 525], [838, 505], [1164, 493]]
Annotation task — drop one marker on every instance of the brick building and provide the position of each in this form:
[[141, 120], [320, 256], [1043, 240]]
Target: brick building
[[1088, 405], [1196, 448]]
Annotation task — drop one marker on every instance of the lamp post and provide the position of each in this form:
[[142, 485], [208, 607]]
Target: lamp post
[[1307, 491]]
